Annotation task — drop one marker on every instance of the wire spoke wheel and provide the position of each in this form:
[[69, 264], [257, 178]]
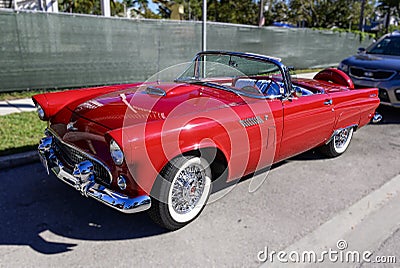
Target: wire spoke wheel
[[185, 188], [339, 143], [341, 139]]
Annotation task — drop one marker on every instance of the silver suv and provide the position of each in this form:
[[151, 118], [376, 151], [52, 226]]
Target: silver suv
[[378, 66]]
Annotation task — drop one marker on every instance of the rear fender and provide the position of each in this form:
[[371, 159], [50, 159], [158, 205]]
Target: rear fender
[[354, 107]]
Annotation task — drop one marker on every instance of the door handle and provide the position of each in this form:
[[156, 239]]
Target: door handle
[[328, 102]]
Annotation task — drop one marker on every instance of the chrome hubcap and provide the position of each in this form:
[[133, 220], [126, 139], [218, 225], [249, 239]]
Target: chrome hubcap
[[341, 138], [188, 189]]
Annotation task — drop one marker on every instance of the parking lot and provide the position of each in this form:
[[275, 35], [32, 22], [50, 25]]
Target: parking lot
[[302, 205]]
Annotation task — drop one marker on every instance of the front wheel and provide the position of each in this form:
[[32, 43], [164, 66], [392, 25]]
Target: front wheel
[[182, 190], [339, 143]]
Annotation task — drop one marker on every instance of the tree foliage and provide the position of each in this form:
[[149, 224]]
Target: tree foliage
[[307, 13], [92, 7], [231, 11], [329, 13], [344, 14], [389, 8]]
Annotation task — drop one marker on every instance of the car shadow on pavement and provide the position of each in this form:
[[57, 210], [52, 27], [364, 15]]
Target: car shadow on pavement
[[42, 212], [390, 115], [313, 154], [33, 202]]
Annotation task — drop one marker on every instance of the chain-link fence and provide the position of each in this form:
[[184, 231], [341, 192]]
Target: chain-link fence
[[48, 50]]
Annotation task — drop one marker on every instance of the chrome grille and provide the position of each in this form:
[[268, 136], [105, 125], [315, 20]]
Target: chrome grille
[[71, 157], [371, 74]]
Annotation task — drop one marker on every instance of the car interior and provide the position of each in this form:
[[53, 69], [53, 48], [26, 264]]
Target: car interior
[[268, 87]]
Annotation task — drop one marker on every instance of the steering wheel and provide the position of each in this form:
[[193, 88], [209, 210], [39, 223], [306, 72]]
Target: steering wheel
[[271, 85]]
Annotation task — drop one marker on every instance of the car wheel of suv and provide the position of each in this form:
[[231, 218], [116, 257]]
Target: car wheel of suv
[[184, 186], [339, 143]]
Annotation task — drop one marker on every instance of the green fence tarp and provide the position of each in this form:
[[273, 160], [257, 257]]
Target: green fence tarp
[[49, 50]]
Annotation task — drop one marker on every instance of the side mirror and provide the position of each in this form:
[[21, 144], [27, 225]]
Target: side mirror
[[361, 50], [281, 90]]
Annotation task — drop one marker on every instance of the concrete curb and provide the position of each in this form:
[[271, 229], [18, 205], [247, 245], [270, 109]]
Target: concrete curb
[[14, 160]]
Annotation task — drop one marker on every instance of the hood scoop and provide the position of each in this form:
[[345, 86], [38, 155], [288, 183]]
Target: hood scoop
[[152, 90]]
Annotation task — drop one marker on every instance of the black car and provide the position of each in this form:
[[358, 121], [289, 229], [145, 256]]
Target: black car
[[378, 66]]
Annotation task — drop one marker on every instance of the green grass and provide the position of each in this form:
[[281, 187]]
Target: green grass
[[23, 94], [20, 132], [19, 95]]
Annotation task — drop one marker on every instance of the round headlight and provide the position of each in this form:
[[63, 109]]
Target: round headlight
[[116, 153], [40, 111]]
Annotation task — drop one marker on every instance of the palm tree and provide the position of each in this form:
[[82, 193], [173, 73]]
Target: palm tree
[[140, 7], [391, 7]]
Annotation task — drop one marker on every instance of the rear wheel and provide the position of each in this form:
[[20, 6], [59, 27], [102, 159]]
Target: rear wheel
[[184, 186], [339, 143]]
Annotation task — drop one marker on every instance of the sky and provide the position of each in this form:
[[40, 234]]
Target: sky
[[153, 6]]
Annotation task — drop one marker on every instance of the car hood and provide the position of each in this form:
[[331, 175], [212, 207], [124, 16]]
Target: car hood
[[138, 104], [374, 61]]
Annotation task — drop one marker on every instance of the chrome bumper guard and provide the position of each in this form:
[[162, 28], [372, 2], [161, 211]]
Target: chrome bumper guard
[[376, 118], [82, 179]]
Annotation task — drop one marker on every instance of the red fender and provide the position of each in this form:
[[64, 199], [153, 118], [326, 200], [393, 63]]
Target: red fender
[[335, 76]]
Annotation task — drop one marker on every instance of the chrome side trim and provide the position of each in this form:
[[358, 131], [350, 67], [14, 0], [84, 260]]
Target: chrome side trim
[[51, 132], [335, 132], [82, 180], [252, 121]]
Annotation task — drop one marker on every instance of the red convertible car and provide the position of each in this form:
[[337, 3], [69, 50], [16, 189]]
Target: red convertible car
[[161, 146]]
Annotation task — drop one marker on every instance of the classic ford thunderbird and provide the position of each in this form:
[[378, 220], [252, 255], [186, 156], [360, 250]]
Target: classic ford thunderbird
[[161, 146]]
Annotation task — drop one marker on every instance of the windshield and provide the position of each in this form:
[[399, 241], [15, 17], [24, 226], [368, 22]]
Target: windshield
[[387, 46], [253, 76]]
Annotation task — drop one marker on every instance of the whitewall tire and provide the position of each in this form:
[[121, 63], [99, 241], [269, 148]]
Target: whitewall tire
[[184, 188]]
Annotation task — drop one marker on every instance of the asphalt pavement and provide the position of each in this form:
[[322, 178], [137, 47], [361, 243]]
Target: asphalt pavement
[[306, 203]]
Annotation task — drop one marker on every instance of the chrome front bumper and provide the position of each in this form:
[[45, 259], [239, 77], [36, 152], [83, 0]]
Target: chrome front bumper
[[83, 179]]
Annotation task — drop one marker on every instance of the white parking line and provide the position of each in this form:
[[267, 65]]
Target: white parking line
[[364, 226], [16, 106], [23, 105]]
